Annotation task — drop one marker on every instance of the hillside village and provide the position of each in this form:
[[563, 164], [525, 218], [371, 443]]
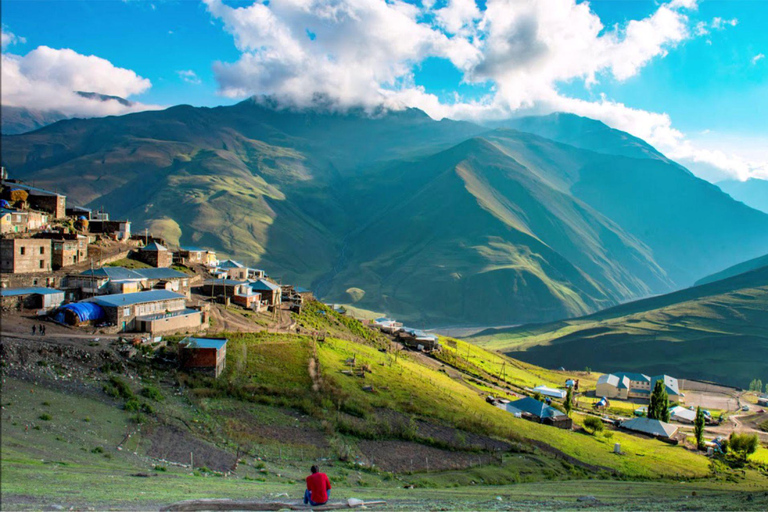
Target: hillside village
[[73, 277]]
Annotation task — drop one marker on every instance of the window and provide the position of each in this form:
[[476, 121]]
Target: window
[[22, 251], [42, 263], [126, 311], [42, 250]]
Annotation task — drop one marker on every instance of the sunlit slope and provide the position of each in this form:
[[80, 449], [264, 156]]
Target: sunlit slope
[[716, 331]]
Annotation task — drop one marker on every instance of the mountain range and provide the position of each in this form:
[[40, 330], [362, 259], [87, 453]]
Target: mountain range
[[752, 192], [716, 331], [434, 222]]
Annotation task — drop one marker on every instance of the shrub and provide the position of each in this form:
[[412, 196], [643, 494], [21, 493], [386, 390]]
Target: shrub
[[46, 417], [743, 445], [98, 449], [152, 393], [593, 424], [161, 468]]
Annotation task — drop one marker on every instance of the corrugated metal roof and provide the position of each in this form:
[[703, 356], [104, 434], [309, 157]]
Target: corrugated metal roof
[[13, 292], [637, 377], [154, 247], [116, 273], [533, 406], [36, 190], [650, 427], [670, 383], [227, 264], [263, 285], [217, 343], [127, 299], [161, 273]]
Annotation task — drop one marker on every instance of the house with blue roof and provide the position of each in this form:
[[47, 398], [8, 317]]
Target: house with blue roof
[[626, 385], [31, 298], [271, 293], [534, 410], [156, 254], [208, 355], [106, 280], [154, 312], [190, 255], [236, 270]]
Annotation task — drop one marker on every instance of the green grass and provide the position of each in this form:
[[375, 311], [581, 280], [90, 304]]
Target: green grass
[[129, 263]]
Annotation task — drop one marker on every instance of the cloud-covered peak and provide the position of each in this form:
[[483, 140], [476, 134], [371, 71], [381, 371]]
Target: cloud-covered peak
[[49, 79]]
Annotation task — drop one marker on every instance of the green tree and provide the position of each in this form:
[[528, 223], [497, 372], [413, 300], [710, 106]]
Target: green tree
[[756, 385], [658, 409], [568, 401], [743, 445], [593, 424], [698, 426]]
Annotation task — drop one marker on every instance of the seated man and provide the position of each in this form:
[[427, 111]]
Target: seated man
[[318, 488]]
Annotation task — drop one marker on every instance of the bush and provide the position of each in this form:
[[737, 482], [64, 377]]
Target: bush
[[46, 417], [118, 388], [98, 449], [152, 393], [593, 424]]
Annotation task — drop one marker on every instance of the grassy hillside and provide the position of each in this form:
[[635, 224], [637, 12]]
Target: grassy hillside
[[716, 331], [752, 192], [286, 401], [432, 222]]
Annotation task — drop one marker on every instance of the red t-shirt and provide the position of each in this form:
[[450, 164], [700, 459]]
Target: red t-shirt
[[319, 485]]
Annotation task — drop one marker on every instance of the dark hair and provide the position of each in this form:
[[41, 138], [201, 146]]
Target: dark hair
[[313, 469]]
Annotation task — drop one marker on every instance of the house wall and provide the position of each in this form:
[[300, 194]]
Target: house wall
[[606, 390], [159, 259], [125, 316], [25, 255], [56, 205], [181, 323], [208, 359]]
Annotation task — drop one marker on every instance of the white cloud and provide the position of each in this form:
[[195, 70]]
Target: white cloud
[[189, 76], [341, 53], [48, 79], [8, 38], [757, 58]]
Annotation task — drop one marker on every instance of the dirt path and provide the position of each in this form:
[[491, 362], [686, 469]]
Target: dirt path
[[232, 322]]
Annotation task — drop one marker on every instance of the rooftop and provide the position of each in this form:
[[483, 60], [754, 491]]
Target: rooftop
[[533, 406], [217, 343], [264, 285], [650, 427], [14, 292], [127, 299], [154, 247], [227, 264]]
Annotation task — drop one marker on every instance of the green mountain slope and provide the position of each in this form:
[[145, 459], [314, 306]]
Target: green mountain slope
[[716, 331], [752, 192], [435, 222], [735, 270]]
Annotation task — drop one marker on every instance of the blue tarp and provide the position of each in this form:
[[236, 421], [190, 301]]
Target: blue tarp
[[85, 311], [4, 204]]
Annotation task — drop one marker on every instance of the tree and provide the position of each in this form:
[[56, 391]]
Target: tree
[[593, 424], [658, 409], [756, 385], [743, 445], [698, 426], [568, 401]]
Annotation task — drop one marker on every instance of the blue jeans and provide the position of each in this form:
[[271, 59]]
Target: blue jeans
[[308, 498]]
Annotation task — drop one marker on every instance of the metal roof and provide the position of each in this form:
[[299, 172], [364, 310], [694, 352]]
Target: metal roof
[[547, 391], [230, 264], [217, 343], [14, 292], [154, 247], [533, 406], [669, 382], [128, 299], [650, 427], [37, 191], [263, 285], [222, 282], [637, 377], [161, 273], [117, 273]]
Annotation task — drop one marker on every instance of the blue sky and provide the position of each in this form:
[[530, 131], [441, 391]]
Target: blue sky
[[708, 87]]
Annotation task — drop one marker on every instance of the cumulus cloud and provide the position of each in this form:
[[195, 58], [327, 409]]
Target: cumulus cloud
[[189, 76], [757, 58], [341, 53], [50, 79], [8, 38]]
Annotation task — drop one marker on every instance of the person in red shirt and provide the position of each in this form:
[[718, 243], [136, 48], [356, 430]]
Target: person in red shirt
[[318, 488]]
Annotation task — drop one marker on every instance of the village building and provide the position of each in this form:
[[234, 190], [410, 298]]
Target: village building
[[21, 221], [196, 255], [763, 400], [203, 354], [550, 392], [232, 290], [236, 270], [625, 385], [25, 255], [531, 409], [418, 340], [156, 255], [682, 414], [31, 298], [649, 427], [387, 325], [107, 280], [69, 250], [41, 199], [117, 229], [271, 294], [154, 311], [79, 211]]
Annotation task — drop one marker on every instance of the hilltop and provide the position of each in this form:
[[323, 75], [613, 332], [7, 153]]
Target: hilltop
[[716, 331], [735, 270], [434, 222]]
